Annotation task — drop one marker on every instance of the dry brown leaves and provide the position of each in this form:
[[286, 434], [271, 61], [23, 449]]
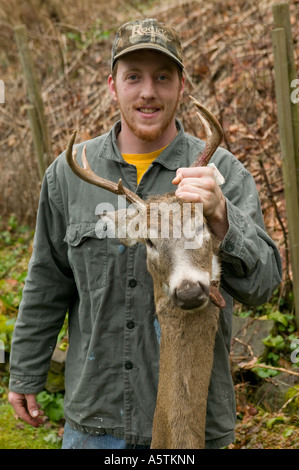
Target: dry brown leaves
[[229, 67]]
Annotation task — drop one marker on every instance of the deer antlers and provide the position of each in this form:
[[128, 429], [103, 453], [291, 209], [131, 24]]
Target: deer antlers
[[88, 175], [213, 133]]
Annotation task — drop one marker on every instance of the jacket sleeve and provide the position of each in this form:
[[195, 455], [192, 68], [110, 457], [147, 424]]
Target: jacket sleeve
[[46, 296], [251, 263]]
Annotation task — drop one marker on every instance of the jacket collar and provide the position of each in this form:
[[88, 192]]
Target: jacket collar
[[169, 158]]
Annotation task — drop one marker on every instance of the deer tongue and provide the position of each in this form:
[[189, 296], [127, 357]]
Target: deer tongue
[[216, 297]]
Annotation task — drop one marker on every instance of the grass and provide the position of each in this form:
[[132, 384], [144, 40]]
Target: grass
[[15, 434]]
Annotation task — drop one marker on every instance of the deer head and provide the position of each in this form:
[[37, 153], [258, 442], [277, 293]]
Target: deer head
[[181, 250]]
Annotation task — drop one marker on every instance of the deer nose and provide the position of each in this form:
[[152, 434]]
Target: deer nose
[[190, 295]]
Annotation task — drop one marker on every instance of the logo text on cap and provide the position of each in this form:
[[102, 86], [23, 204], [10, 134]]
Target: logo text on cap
[[149, 30]]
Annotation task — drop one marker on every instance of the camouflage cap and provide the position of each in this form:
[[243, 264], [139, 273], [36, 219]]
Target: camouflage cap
[[147, 34]]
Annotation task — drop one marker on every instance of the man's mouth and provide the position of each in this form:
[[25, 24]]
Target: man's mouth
[[148, 110]]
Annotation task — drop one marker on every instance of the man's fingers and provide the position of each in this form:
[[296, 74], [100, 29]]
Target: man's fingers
[[192, 172], [26, 408], [22, 412], [206, 183], [177, 178]]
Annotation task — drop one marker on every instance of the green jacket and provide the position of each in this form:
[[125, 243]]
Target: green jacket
[[113, 358]]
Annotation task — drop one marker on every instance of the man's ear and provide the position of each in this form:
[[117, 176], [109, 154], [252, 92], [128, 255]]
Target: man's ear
[[112, 88], [182, 87]]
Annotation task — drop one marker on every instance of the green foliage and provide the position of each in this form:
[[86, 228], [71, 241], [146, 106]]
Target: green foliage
[[284, 321], [11, 232], [62, 340], [279, 341], [274, 342], [6, 330], [14, 257], [293, 396], [82, 40], [15, 241], [264, 373], [288, 432], [51, 404], [275, 420], [265, 430], [11, 294]]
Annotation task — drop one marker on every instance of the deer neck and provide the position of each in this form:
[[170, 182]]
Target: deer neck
[[186, 361]]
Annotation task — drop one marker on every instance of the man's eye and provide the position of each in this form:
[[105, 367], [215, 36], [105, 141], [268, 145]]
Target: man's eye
[[162, 78], [132, 77]]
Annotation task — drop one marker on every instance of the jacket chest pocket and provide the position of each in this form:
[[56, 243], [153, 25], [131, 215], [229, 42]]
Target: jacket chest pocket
[[87, 255]]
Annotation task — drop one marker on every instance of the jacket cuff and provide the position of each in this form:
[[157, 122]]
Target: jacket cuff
[[27, 384]]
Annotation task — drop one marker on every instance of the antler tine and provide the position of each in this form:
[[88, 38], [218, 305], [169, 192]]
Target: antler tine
[[89, 176], [213, 133]]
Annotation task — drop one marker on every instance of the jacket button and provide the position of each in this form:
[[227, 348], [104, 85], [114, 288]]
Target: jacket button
[[128, 365], [132, 283], [130, 324], [229, 247]]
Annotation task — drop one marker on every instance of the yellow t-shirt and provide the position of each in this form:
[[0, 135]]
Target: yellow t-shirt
[[142, 161]]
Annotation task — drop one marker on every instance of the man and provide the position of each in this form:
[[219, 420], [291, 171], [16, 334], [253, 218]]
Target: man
[[113, 358]]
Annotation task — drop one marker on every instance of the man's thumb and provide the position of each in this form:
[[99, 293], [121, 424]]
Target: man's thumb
[[32, 405]]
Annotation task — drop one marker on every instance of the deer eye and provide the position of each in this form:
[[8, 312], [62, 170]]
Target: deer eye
[[149, 243]]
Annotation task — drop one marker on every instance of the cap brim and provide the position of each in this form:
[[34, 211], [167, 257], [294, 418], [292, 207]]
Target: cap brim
[[147, 46]]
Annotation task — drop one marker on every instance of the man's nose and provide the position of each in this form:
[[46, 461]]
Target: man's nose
[[148, 90]]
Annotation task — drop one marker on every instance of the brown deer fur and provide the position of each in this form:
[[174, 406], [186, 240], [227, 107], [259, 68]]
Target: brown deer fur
[[187, 337]]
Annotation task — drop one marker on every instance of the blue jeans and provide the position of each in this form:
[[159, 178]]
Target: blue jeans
[[73, 439]]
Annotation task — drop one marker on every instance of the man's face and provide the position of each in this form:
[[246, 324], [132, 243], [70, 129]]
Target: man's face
[[147, 87]]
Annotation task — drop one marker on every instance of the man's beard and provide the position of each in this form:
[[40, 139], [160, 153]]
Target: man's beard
[[150, 133], [147, 135]]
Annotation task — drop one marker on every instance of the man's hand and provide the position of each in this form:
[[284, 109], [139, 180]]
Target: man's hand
[[26, 408], [198, 184]]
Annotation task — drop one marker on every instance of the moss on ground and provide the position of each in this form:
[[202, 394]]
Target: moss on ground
[[15, 434]]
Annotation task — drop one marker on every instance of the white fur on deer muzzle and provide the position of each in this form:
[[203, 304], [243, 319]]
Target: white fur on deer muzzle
[[189, 285]]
